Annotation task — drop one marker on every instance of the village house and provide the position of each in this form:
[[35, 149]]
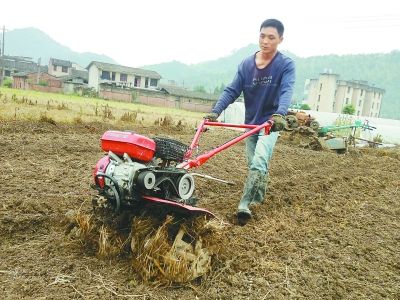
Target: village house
[[76, 82], [102, 75], [37, 81], [59, 67], [74, 77], [61, 76], [112, 82], [15, 64]]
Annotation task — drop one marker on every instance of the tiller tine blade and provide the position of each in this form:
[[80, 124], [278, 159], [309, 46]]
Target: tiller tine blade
[[179, 206]]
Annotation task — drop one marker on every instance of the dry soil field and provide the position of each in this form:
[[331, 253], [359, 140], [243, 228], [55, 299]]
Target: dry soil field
[[330, 227]]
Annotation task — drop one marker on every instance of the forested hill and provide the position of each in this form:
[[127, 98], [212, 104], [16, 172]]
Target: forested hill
[[380, 70]]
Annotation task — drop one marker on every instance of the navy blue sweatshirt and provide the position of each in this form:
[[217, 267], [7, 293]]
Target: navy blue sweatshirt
[[266, 91]]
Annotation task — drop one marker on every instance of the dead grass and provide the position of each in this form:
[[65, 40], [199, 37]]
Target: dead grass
[[175, 252], [161, 252], [83, 221], [129, 117], [45, 119], [29, 105]]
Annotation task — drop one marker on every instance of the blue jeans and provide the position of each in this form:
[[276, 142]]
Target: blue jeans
[[259, 148]]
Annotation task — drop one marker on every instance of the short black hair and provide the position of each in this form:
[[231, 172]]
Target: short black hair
[[273, 23]]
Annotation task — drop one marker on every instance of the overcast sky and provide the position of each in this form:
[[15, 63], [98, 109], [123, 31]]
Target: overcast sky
[[136, 33]]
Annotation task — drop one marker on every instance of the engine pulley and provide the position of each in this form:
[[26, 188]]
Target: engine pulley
[[147, 180], [185, 186]]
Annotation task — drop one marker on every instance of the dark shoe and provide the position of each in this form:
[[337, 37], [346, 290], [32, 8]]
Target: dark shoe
[[243, 216]]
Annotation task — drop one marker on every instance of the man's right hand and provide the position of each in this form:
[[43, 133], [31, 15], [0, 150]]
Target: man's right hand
[[211, 117]]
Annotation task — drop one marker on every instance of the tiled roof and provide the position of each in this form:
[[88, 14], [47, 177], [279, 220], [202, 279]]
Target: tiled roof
[[15, 64], [60, 62], [124, 70], [81, 74], [21, 74]]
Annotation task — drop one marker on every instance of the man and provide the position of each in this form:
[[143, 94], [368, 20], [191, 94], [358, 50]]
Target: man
[[266, 80]]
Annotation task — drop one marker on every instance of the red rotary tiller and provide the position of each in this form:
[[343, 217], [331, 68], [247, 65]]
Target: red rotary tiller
[[138, 169]]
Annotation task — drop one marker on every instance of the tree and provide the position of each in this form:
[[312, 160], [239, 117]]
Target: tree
[[349, 109], [219, 90], [200, 88], [7, 82], [305, 106]]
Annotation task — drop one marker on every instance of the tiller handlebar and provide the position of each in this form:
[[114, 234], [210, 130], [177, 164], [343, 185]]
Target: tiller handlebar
[[189, 163]]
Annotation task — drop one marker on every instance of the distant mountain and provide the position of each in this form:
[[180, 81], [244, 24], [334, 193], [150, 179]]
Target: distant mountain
[[209, 74], [381, 70], [34, 43]]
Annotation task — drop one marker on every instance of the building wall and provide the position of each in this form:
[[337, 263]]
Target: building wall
[[115, 95], [378, 104], [72, 87], [94, 77], [49, 80], [20, 83], [78, 67], [328, 94], [322, 92], [372, 104], [46, 83], [156, 98], [47, 89], [359, 99], [313, 94], [340, 98], [368, 104], [95, 73], [58, 72]]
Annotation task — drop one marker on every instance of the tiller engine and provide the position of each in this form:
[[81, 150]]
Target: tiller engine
[[137, 168]]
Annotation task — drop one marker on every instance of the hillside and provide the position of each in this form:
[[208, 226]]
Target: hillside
[[378, 69], [34, 43]]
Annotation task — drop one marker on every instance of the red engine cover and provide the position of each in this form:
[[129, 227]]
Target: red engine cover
[[135, 145]]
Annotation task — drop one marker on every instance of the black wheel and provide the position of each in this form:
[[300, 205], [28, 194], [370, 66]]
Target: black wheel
[[169, 149]]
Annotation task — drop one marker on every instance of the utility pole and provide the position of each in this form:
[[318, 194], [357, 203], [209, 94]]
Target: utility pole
[[38, 71], [1, 59]]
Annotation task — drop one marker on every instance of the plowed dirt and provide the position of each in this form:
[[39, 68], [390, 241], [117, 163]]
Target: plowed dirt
[[329, 229]]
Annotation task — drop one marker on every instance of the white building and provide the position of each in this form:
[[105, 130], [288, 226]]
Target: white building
[[330, 94], [120, 76]]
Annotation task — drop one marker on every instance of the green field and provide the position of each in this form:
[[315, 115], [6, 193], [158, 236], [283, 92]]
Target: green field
[[30, 105]]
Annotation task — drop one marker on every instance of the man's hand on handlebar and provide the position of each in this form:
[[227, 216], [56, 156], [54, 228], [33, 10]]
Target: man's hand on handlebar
[[279, 122], [212, 117]]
